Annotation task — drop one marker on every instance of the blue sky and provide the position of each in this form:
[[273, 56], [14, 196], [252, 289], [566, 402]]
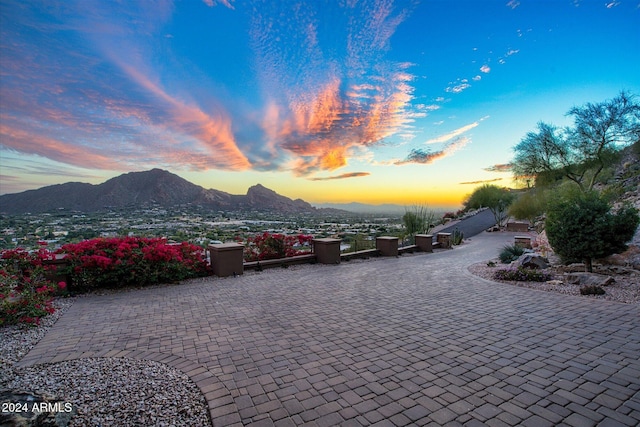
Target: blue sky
[[372, 101]]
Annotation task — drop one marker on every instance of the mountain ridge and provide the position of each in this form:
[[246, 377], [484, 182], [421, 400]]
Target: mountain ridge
[[155, 187]]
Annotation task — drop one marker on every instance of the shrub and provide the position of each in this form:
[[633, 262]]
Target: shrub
[[591, 290], [529, 205], [128, 261], [273, 246], [510, 253], [26, 295], [495, 198], [418, 219], [456, 237], [521, 275], [582, 226]]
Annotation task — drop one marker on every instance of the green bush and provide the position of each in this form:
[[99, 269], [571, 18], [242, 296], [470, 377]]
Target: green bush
[[457, 237], [495, 198], [529, 205], [26, 294], [582, 226], [522, 275], [510, 253], [418, 219]]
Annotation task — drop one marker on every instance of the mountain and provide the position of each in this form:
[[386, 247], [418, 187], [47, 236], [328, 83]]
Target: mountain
[[270, 200], [156, 187], [382, 209], [363, 208]]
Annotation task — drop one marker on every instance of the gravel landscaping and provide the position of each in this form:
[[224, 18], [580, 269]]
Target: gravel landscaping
[[625, 289], [103, 391]]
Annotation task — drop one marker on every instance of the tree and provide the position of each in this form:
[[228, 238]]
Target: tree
[[493, 197], [418, 219], [580, 152], [529, 205], [544, 152], [581, 226]]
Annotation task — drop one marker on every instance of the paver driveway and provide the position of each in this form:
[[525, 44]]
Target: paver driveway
[[414, 340]]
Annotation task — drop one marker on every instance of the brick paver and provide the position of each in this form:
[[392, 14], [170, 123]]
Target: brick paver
[[413, 340]]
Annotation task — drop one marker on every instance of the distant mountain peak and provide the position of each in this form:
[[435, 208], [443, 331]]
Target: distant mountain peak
[[155, 187], [259, 195], [259, 187]]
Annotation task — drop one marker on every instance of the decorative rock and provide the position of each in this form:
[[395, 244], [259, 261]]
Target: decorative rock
[[614, 269], [572, 268], [555, 282], [588, 279], [630, 257], [531, 260]]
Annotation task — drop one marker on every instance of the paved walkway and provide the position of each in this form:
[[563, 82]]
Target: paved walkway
[[473, 225], [414, 340]]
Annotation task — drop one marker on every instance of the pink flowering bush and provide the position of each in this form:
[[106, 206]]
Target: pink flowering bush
[[26, 292], [273, 246], [131, 261]]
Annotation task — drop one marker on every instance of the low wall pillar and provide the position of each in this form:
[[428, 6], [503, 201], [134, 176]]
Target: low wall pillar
[[518, 227], [387, 245], [424, 242], [523, 242], [226, 259], [444, 239], [53, 267], [327, 250]]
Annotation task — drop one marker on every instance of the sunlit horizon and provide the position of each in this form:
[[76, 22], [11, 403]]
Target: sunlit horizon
[[376, 102]]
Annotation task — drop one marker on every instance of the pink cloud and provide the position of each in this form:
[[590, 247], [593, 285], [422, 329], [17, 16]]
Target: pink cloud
[[332, 106], [122, 114], [505, 167], [212, 131], [320, 128], [32, 143], [455, 133], [342, 176], [425, 157], [110, 98], [481, 181]]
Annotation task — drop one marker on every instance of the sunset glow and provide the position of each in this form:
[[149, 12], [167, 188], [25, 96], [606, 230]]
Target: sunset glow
[[373, 101]]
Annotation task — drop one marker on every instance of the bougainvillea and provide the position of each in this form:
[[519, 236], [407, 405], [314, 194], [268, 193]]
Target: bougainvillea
[[131, 261], [26, 292], [273, 246]]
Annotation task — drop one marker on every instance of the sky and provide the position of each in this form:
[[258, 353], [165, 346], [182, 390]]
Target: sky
[[372, 101]]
